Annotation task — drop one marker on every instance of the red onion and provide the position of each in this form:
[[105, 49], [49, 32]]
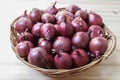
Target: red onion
[[23, 48], [65, 29], [35, 15], [44, 44], [82, 14], [38, 57], [98, 46], [36, 29], [23, 24], [48, 18], [80, 40], [63, 60], [72, 8], [48, 31], [79, 57], [79, 24], [52, 9], [62, 44], [95, 30], [64, 16], [94, 19], [25, 36]]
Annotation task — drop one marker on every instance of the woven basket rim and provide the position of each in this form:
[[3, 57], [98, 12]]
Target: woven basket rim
[[63, 72]]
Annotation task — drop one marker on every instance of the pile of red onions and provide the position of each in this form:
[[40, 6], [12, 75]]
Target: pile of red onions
[[60, 39]]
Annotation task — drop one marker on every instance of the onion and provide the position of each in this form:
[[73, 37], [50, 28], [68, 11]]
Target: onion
[[23, 48], [72, 8], [35, 15], [38, 57], [25, 36], [98, 46], [80, 40], [94, 19], [44, 44], [79, 57], [63, 60], [62, 44], [95, 30], [79, 24], [48, 18], [23, 24], [36, 29], [52, 9], [82, 14], [64, 16], [48, 31], [65, 29]]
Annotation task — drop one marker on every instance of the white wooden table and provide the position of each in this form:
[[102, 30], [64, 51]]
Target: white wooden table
[[13, 69]]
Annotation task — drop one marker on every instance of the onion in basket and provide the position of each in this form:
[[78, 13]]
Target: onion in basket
[[23, 48], [82, 43], [98, 45], [23, 23]]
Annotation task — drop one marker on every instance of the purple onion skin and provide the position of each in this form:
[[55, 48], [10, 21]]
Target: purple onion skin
[[38, 57], [82, 14], [80, 40], [94, 19], [48, 18], [35, 15], [57, 26], [36, 29], [23, 24], [63, 61], [79, 57], [23, 48], [52, 9], [62, 44], [25, 36], [64, 16], [95, 30], [48, 31], [98, 46], [72, 8], [45, 44], [65, 29], [79, 25]]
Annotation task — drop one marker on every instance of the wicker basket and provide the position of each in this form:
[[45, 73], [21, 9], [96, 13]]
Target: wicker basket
[[65, 72]]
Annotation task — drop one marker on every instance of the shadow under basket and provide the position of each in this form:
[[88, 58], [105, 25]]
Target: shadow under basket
[[65, 72]]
